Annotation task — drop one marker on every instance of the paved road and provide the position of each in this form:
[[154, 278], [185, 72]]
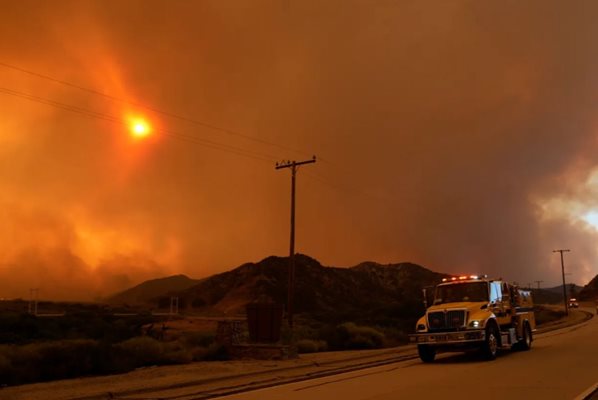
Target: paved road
[[561, 365]]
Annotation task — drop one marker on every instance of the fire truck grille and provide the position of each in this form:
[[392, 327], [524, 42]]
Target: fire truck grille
[[440, 320]]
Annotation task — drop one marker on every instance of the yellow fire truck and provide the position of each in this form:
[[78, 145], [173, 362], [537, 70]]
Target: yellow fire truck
[[475, 313]]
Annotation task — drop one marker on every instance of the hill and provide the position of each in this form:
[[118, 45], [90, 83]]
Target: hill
[[545, 296], [572, 290], [590, 291], [554, 295], [327, 292], [150, 291], [324, 293]]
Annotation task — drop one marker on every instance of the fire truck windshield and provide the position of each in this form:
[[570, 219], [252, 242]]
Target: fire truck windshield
[[458, 292]]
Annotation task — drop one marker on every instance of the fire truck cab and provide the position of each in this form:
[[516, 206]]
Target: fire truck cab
[[475, 313]]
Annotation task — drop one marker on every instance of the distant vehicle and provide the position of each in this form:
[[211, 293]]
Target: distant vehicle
[[573, 303], [475, 313]]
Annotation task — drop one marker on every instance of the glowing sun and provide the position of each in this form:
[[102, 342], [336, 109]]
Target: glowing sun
[[140, 128]]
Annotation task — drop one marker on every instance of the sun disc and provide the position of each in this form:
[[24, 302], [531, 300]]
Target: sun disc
[[140, 128]]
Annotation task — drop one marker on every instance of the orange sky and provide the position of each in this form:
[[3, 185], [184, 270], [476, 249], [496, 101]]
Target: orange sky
[[457, 135]]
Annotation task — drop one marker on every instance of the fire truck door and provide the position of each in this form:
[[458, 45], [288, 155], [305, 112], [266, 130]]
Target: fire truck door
[[498, 304]]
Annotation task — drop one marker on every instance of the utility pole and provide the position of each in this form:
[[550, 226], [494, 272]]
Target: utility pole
[[293, 166], [563, 269], [538, 282], [174, 305], [34, 293]]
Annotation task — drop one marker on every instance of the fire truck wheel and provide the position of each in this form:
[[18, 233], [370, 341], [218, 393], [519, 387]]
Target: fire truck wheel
[[426, 353], [526, 340], [490, 346]]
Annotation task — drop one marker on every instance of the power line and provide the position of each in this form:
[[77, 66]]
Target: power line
[[180, 136], [204, 142], [150, 108], [120, 121], [347, 188], [190, 138]]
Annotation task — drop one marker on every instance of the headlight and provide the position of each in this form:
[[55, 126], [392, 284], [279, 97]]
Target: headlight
[[475, 324], [421, 327]]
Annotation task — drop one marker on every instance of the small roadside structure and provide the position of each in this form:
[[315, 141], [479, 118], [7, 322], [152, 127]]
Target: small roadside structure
[[264, 323]]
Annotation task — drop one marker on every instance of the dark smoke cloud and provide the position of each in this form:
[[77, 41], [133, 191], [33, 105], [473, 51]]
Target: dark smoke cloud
[[459, 135]]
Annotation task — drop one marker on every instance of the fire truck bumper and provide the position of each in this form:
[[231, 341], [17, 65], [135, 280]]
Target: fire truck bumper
[[441, 338]]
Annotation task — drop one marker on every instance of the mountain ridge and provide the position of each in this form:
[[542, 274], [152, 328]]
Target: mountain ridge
[[590, 291], [325, 292], [151, 289]]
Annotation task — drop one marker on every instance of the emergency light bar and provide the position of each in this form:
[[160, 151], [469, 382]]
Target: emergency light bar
[[463, 277]]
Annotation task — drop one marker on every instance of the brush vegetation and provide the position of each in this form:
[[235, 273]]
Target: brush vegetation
[[60, 359]]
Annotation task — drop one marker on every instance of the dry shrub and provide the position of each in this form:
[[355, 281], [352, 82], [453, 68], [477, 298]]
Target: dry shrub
[[311, 346], [353, 336]]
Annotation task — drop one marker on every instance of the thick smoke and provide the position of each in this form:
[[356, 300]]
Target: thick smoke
[[457, 135], [40, 251]]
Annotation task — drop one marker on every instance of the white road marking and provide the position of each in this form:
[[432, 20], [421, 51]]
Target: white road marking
[[590, 391]]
